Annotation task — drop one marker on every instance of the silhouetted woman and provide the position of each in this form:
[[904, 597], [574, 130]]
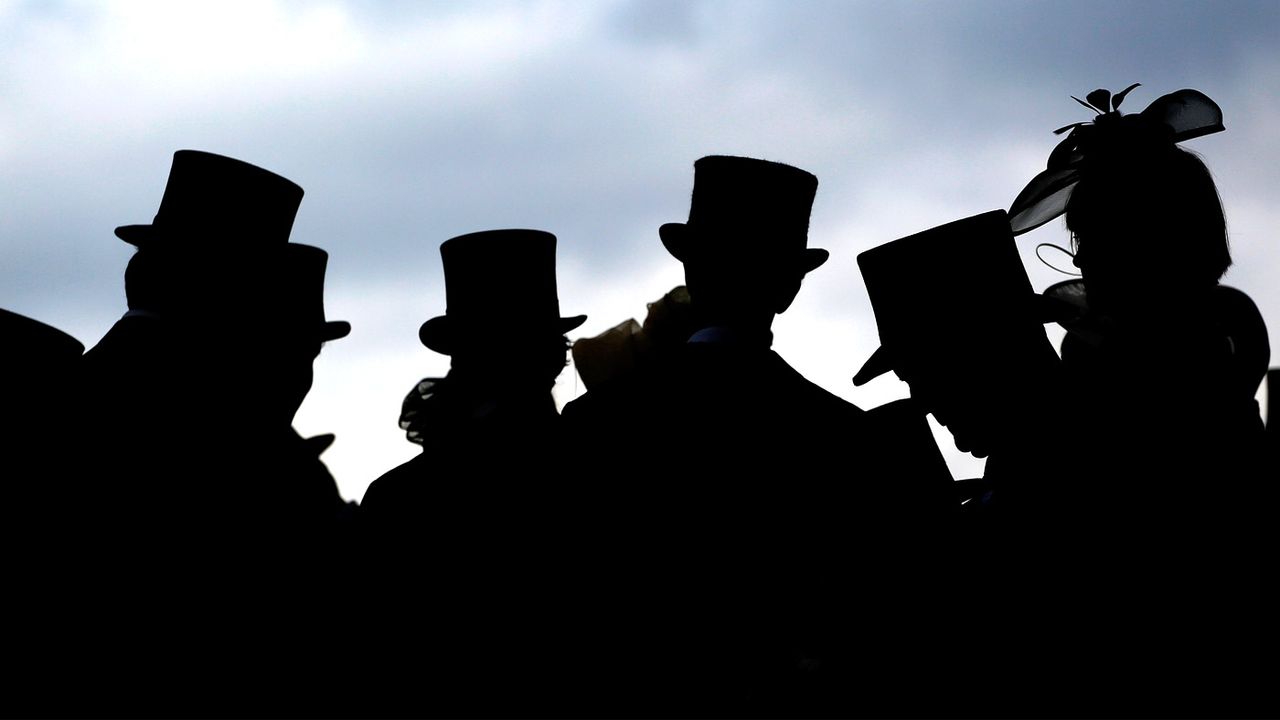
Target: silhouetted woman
[[1169, 516], [1166, 361]]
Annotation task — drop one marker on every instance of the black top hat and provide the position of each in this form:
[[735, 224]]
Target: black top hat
[[497, 281], [962, 281], [30, 344], [212, 195], [303, 300], [746, 205]]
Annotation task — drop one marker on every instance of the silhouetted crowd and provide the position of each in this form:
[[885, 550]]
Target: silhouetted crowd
[[732, 539]]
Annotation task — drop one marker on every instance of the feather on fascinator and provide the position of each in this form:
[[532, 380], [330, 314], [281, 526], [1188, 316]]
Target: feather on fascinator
[[1171, 118]]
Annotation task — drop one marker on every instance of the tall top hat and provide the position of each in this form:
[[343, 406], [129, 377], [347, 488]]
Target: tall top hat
[[30, 345], [210, 196], [302, 302], [746, 206], [958, 282], [497, 281]]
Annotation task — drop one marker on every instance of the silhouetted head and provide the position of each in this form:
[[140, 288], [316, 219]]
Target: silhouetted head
[[960, 324], [265, 354], [215, 247], [1144, 217], [1144, 214], [744, 247], [502, 325], [299, 325]]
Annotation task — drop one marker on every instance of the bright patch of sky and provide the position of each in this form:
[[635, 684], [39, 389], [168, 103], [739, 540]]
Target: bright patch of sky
[[408, 123]]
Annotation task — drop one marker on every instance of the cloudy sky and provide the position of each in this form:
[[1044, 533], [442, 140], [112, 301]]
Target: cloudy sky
[[408, 123]]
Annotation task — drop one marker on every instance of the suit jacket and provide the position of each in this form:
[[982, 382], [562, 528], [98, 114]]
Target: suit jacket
[[754, 509], [469, 557], [205, 580]]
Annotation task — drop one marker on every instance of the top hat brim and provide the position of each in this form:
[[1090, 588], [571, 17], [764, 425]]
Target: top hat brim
[[440, 332], [1048, 309], [878, 364], [676, 239], [334, 330], [136, 235]]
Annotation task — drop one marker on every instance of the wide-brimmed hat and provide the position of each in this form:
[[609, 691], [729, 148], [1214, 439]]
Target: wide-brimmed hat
[[1173, 118], [953, 284], [747, 207], [303, 294], [214, 196], [497, 281]]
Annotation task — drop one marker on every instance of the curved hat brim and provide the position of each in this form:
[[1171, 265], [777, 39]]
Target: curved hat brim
[[813, 259], [334, 330], [135, 235], [878, 364], [676, 239], [438, 333]]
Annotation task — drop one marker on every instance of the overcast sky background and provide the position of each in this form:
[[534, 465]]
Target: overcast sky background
[[408, 123]]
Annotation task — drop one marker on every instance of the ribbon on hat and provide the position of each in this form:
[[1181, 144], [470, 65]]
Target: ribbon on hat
[[1172, 118]]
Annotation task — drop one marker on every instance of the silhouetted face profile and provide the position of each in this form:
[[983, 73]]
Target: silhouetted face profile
[[279, 374], [282, 339], [958, 404], [958, 322], [987, 401]]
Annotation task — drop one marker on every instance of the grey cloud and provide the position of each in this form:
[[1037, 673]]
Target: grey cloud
[[911, 114]]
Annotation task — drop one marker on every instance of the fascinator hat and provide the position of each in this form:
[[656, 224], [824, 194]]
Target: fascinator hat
[[1170, 119]]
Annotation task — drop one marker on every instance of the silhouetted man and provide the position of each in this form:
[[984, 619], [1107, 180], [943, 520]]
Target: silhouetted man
[[961, 325], [752, 490], [467, 544], [183, 505]]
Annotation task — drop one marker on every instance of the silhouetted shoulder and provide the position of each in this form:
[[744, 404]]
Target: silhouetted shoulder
[[395, 485], [821, 398]]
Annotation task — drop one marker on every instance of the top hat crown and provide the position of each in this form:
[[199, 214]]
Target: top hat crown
[[759, 206], [497, 281], [958, 282], [210, 195]]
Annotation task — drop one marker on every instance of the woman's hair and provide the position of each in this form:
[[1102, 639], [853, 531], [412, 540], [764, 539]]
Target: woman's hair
[[1160, 200]]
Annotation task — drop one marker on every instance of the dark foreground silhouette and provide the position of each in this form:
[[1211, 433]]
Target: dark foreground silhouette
[[196, 534], [1128, 492], [705, 532]]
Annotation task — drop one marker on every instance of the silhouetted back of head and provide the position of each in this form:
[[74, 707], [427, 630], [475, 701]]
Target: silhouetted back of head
[[744, 246], [502, 319], [1143, 211]]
